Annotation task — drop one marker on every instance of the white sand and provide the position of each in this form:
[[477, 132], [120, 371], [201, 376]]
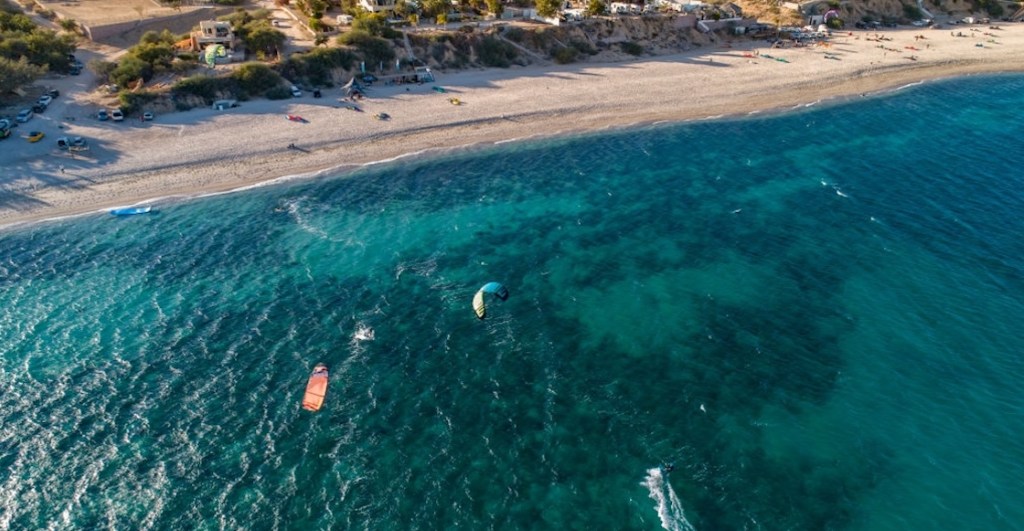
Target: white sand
[[203, 151]]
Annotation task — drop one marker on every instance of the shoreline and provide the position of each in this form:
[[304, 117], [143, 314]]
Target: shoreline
[[202, 152]]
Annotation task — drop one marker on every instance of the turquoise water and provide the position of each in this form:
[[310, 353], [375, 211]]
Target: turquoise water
[[813, 315]]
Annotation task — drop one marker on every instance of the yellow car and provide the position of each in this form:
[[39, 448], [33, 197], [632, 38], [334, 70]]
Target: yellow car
[[35, 136]]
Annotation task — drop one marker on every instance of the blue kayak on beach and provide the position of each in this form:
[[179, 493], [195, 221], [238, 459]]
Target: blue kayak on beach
[[131, 211]]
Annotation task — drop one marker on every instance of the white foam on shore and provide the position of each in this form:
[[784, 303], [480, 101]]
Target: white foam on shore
[[908, 85]]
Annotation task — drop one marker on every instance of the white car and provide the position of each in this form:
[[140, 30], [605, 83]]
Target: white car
[[24, 115], [75, 143], [296, 93], [45, 99], [116, 115]]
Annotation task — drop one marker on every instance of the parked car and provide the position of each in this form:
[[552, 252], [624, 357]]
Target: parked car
[[53, 93], [45, 99], [38, 107], [220, 105], [75, 143], [147, 116], [103, 116], [4, 133], [24, 115], [35, 136], [75, 70], [296, 93], [116, 115]]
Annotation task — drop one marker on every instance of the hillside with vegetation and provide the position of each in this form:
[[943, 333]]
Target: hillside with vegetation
[[157, 72]]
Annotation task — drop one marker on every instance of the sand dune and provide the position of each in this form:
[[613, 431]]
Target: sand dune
[[203, 151]]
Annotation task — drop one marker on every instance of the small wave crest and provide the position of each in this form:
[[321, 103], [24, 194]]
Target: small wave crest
[[670, 509], [363, 333]]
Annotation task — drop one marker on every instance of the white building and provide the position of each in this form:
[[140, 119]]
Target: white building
[[378, 6]]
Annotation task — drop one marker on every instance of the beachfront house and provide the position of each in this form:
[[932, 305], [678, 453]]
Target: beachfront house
[[213, 32], [378, 6], [681, 6]]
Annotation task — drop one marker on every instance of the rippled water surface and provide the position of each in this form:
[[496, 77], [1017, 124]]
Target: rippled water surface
[[814, 316]]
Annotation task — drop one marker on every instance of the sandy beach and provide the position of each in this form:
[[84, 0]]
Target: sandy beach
[[203, 151]]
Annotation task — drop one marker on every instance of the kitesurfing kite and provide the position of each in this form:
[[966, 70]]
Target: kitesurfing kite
[[488, 291]]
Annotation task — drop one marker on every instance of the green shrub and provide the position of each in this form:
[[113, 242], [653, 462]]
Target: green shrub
[[317, 66], [374, 50], [69, 24], [992, 7], [631, 48], [565, 55], [496, 52], [515, 34], [129, 69], [206, 88], [583, 47], [163, 37], [132, 102], [279, 92], [375, 24], [911, 12], [184, 65], [102, 69], [595, 8], [256, 79], [262, 38], [155, 55]]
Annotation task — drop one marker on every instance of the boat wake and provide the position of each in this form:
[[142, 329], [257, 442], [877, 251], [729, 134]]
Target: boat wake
[[363, 333], [670, 509]]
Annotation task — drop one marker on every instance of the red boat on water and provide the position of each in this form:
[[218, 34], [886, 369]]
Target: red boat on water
[[296, 118], [316, 388]]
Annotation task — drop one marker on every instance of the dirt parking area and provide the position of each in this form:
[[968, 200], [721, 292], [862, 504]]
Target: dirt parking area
[[100, 12]]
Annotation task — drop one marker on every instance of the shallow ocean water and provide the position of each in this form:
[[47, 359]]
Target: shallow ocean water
[[812, 315]]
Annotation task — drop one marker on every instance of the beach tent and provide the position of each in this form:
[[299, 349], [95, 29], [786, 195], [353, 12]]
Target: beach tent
[[353, 87]]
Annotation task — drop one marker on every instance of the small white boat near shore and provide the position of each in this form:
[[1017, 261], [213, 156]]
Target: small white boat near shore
[[131, 211]]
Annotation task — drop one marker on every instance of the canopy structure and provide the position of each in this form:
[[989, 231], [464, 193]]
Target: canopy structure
[[212, 52], [353, 87]]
